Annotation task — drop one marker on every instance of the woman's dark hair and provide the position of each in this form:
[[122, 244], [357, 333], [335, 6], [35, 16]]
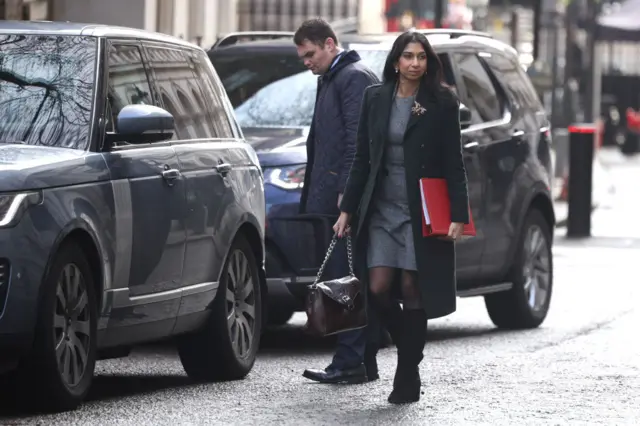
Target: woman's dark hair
[[433, 76]]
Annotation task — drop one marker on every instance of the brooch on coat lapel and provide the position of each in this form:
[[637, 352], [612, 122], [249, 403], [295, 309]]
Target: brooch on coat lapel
[[418, 109]]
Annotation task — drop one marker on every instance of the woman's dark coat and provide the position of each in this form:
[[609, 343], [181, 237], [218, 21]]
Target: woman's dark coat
[[432, 149]]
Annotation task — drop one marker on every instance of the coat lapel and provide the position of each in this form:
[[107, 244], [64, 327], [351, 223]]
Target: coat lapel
[[383, 110]]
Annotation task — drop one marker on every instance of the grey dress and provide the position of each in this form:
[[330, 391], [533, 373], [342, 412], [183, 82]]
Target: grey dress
[[390, 232]]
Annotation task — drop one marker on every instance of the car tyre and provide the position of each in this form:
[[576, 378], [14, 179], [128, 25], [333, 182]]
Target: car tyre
[[59, 370], [526, 304], [226, 347]]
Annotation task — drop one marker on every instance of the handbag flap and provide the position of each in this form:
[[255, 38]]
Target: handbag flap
[[343, 290]]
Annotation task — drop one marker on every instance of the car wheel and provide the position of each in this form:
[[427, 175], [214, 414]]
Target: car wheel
[[526, 304], [226, 347], [59, 371], [279, 316]]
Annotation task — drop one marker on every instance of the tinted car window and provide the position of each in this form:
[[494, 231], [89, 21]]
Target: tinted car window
[[529, 91], [480, 93], [243, 73], [286, 102], [213, 96], [178, 92], [510, 75], [128, 83], [290, 100], [46, 89], [278, 91]]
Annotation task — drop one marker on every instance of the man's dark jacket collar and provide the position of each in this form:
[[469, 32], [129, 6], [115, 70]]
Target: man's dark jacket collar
[[348, 57]]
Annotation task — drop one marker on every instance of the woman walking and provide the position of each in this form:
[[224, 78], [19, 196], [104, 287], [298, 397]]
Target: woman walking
[[409, 129]]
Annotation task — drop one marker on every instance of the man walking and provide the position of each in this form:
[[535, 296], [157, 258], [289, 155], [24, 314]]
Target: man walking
[[331, 147]]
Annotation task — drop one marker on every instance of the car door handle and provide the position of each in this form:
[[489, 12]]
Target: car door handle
[[517, 134], [223, 168], [171, 175], [471, 146]]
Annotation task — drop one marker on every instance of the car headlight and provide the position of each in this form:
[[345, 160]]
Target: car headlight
[[12, 206], [289, 177]]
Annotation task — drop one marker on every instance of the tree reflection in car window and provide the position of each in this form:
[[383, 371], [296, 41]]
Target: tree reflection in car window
[[287, 100], [176, 82], [211, 96], [128, 83], [274, 91], [46, 89]]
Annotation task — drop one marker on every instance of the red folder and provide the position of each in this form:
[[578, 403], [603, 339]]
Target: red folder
[[436, 209]]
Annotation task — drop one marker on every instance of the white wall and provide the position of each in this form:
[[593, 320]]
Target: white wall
[[187, 19], [371, 19], [128, 13]]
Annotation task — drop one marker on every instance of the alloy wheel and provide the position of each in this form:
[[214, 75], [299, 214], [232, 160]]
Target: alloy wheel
[[72, 325], [537, 268], [241, 304]]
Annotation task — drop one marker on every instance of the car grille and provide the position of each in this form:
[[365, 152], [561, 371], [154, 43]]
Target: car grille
[[4, 282]]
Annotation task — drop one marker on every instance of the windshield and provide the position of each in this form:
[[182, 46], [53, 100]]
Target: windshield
[[284, 100], [46, 89]]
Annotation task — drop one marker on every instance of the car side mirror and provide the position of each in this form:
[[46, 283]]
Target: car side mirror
[[138, 124], [465, 116]]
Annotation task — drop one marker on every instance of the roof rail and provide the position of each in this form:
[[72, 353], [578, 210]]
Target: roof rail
[[454, 33], [237, 37]]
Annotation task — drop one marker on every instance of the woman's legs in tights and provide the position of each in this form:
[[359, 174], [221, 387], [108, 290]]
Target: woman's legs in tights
[[380, 281], [406, 384], [384, 312], [407, 328], [411, 297], [389, 313]]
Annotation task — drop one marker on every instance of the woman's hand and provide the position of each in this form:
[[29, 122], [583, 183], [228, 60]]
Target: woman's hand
[[455, 230], [341, 227]]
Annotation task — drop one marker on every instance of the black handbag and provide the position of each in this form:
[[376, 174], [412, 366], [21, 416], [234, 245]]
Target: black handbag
[[338, 305]]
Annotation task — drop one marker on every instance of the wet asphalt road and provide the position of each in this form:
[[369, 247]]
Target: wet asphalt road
[[581, 367]]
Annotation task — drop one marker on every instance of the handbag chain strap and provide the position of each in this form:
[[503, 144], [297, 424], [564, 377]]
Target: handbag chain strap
[[334, 241]]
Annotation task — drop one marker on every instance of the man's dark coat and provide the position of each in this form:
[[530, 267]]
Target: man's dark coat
[[331, 144]]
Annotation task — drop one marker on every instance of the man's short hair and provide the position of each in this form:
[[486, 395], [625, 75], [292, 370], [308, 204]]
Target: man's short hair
[[317, 31]]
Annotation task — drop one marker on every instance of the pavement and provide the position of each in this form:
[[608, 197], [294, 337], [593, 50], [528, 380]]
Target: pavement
[[581, 367]]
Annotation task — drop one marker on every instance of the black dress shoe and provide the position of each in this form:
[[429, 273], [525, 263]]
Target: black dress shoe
[[333, 375]]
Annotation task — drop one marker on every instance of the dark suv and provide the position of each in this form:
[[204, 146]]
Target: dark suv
[[131, 208], [508, 154]]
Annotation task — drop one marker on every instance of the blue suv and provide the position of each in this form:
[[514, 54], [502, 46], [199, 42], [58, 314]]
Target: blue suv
[[131, 209]]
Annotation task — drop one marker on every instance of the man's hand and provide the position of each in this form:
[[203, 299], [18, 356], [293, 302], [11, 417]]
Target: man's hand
[[339, 200]]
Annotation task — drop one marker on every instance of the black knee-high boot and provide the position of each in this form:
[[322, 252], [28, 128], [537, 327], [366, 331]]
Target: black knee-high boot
[[390, 315], [406, 383]]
